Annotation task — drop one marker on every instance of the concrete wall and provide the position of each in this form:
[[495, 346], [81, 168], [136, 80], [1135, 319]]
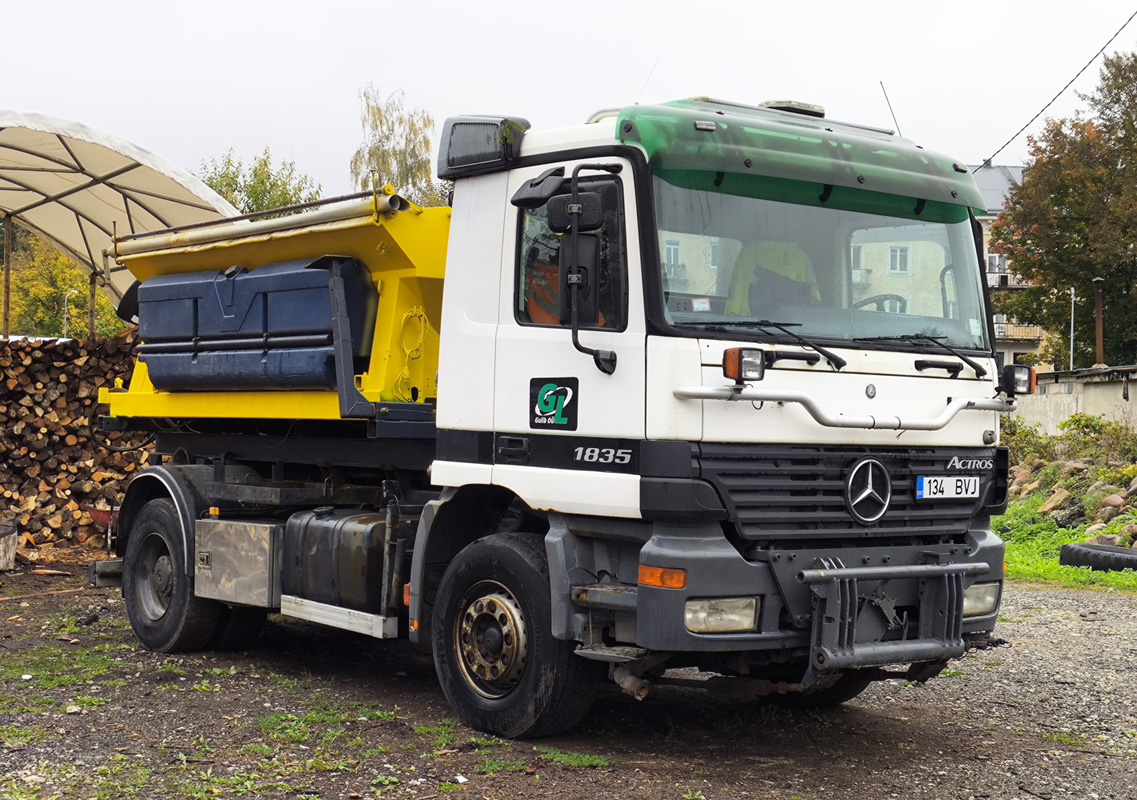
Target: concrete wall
[[1104, 393]]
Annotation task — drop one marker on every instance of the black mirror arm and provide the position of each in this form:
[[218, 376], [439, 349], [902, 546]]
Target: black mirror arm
[[605, 360]]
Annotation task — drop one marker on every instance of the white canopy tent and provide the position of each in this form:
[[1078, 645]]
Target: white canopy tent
[[77, 187]]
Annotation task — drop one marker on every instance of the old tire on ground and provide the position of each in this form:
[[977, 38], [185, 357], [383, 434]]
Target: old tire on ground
[[159, 597], [497, 660], [846, 688], [1101, 557], [238, 627]]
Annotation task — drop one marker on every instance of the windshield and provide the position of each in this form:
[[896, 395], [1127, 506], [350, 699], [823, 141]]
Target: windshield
[[836, 263]]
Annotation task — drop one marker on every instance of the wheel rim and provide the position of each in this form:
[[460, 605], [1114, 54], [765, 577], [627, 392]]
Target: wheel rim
[[491, 640], [155, 577]]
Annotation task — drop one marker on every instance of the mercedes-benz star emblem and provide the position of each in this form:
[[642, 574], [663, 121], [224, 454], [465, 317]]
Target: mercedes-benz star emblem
[[868, 491]]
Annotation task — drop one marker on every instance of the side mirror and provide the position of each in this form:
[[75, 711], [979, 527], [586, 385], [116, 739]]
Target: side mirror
[[1018, 379], [591, 213], [535, 192], [587, 268]]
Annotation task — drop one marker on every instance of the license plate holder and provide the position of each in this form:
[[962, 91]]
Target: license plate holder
[[947, 487]]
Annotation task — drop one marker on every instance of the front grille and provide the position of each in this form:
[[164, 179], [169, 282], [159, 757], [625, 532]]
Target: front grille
[[780, 492]]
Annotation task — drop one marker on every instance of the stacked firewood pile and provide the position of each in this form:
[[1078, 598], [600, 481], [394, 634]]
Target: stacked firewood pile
[[56, 481]]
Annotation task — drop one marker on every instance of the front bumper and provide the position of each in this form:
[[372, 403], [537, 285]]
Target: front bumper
[[844, 607]]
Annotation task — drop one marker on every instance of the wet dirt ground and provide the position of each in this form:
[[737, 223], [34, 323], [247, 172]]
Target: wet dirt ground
[[311, 712]]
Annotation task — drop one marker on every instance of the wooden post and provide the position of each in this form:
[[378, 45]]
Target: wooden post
[[91, 305], [7, 276]]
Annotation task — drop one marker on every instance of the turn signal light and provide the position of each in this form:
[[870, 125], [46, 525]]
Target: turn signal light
[[662, 578], [744, 364]]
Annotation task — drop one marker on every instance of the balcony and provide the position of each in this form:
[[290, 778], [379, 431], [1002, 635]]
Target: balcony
[[1006, 280], [1017, 332]]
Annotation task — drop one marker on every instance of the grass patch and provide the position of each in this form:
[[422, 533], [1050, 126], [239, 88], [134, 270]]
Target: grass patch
[[12, 736], [1063, 738], [573, 759], [88, 702], [443, 733], [446, 787], [1034, 542], [492, 766], [53, 667]]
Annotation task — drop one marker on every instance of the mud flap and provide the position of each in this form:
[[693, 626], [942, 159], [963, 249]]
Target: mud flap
[[836, 604]]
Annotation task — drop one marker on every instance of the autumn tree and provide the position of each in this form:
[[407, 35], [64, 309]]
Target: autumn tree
[[44, 283], [1074, 218], [260, 186], [396, 148]]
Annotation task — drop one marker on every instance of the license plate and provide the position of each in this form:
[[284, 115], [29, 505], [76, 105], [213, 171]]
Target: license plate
[[945, 487]]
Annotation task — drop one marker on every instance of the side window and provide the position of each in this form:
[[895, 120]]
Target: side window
[[537, 291]]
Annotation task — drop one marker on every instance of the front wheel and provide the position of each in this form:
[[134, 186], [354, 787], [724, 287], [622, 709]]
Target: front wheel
[[156, 584], [498, 663]]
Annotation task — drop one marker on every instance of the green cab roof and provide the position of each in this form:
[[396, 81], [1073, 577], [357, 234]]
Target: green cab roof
[[711, 135]]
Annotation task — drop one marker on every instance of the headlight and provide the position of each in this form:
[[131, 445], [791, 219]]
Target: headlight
[[980, 599], [721, 615]]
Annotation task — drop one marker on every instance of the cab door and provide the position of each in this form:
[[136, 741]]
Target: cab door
[[566, 433]]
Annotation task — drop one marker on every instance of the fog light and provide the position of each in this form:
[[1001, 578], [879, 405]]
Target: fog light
[[721, 615], [980, 599]]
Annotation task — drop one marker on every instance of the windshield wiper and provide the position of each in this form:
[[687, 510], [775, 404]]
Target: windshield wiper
[[935, 340], [784, 327]]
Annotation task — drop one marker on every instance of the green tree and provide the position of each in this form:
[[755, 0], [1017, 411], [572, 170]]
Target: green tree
[[260, 186], [396, 149], [43, 278], [1074, 218]]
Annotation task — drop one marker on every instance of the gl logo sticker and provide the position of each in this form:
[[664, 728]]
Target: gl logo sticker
[[553, 403]]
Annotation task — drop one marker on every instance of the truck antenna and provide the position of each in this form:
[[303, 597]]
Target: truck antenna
[[659, 55], [890, 111]]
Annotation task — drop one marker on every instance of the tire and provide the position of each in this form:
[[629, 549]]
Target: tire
[[163, 612], [846, 688], [238, 628], [494, 651], [1100, 557]]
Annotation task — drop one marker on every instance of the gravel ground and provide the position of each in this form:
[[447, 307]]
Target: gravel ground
[[312, 713]]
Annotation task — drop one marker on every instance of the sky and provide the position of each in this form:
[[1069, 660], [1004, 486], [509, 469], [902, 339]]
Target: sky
[[190, 81]]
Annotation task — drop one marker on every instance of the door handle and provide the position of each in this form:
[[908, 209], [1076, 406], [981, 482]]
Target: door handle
[[513, 449]]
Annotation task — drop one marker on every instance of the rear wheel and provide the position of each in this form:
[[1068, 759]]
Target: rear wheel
[[497, 660], [157, 588]]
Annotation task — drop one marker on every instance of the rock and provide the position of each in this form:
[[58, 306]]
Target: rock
[[1104, 538], [1095, 529], [1100, 486], [1037, 464], [1113, 464], [1021, 476], [1078, 466], [1106, 513], [1030, 487], [1072, 516], [1056, 501], [1113, 501]]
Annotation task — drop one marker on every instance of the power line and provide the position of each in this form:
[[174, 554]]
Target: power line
[[1060, 93]]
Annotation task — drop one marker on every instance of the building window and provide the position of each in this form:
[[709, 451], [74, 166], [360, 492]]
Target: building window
[[898, 260], [671, 253]]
